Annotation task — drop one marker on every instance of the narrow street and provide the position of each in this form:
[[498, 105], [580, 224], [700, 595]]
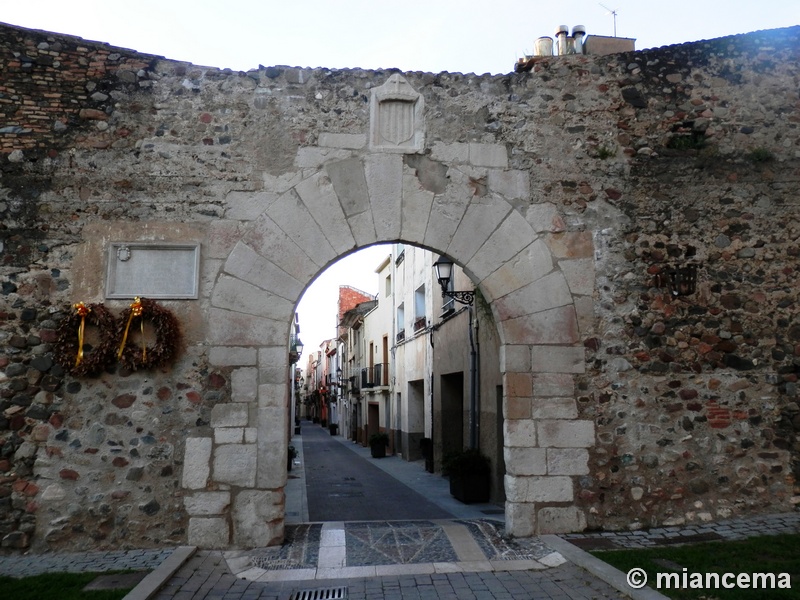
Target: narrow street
[[343, 486]]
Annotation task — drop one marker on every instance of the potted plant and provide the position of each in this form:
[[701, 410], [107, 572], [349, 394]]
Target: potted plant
[[377, 444], [292, 454], [469, 472]]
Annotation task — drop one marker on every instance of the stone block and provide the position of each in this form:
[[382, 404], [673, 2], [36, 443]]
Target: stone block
[[250, 435], [519, 433], [518, 385], [567, 461], [416, 208], [544, 217], [584, 309], [196, 463], [228, 435], [521, 519], [350, 185], [237, 329], [271, 395], [565, 434], [515, 358], [201, 504], [281, 183], [363, 229], [553, 384], [272, 447], [481, 218], [246, 264], [531, 264], [510, 183], [209, 533], [320, 198], [517, 408], [580, 275], [235, 464], [313, 157], [525, 461], [258, 518], [571, 244], [229, 356], [554, 326], [558, 359], [229, 415], [222, 237], [508, 240], [246, 206], [539, 489], [554, 408], [295, 220], [384, 173], [237, 295], [450, 153], [273, 364], [244, 384], [551, 291], [350, 141], [267, 238], [560, 519], [448, 209], [488, 155]]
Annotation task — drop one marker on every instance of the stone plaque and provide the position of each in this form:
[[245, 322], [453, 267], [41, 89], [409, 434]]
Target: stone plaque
[[153, 270], [397, 122]]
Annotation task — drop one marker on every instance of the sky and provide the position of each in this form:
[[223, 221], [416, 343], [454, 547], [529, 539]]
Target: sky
[[465, 36]]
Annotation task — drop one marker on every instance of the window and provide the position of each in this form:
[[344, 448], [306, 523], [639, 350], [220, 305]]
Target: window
[[388, 291], [419, 308], [401, 323]]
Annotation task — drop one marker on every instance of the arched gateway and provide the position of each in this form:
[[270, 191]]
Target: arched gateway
[[349, 192]]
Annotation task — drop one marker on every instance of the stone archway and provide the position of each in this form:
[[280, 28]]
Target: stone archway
[[459, 200]]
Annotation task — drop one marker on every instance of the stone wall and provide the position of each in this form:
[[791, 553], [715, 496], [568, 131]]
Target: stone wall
[[684, 408]]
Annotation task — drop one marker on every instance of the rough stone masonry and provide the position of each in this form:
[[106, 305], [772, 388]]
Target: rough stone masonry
[[568, 194]]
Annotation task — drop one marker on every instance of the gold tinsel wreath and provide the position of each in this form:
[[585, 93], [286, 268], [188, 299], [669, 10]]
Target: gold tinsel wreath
[[167, 331], [69, 350]]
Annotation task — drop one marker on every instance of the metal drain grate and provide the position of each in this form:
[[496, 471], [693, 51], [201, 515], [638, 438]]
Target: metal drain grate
[[320, 594]]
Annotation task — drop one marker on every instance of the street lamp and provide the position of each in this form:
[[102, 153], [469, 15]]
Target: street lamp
[[444, 273]]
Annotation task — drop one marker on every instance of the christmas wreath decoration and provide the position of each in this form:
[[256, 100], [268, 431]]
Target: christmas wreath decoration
[[167, 332], [69, 348]]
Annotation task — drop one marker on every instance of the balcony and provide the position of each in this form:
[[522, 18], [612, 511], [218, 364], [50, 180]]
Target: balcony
[[420, 323], [401, 335], [375, 376]]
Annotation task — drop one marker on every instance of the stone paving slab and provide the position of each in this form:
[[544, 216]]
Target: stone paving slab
[[729, 529]]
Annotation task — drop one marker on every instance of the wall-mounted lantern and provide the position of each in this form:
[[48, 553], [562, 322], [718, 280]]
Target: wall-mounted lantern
[[295, 350], [444, 273]]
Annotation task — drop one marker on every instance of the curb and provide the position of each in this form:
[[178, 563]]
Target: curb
[[155, 580], [613, 577]]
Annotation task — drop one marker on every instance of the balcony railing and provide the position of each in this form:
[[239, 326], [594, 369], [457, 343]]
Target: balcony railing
[[401, 335], [376, 376], [420, 323]]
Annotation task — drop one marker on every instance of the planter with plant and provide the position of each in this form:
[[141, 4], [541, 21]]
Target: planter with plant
[[469, 472], [292, 454], [377, 444]]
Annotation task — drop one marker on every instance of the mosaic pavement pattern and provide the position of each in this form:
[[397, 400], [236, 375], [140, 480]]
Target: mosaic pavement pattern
[[397, 543], [489, 535], [299, 550]]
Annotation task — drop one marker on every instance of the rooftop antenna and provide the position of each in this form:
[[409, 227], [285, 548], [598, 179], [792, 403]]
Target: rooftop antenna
[[613, 12]]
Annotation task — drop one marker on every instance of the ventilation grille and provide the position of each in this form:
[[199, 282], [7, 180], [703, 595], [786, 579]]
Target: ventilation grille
[[320, 594]]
